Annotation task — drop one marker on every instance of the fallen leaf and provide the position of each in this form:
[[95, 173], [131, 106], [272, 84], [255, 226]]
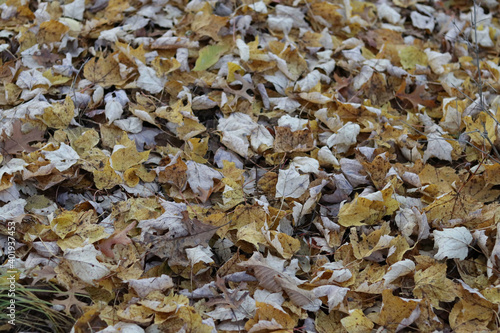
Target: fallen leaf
[[452, 243]]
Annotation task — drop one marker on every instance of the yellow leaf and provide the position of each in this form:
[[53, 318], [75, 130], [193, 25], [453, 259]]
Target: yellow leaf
[[368, 209], [376, 240], [209, 55], [130, 177], [400, 246], [60, 114], [233, 68], [106, 177], [189, 129], [51, 31], [247, 214], [394, 310], [284, 244], [137, 314], [165, 66], [267, 312], [86, 234], [65, 223], [248, 234], [55, 80], [233, 194], [432, 283], [328, 323], [411, 56], [86, 141], [103, 71], [357, 322], [131, 53], [468, 317], [168, 304], [125, 155], [142, 209], [196, 148], [115, 9]]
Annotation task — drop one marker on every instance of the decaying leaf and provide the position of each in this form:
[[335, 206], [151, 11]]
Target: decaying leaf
[[261, 166], [172, 245]]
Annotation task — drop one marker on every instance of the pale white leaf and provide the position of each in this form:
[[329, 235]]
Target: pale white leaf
[[398, 269], [265, 296], [291, 184], [284, 103], [30, 78], [364, 75], [113, 110], [235, 131], [203, 102], [386, 12], [315, 97], [306, 164], [344, 138], [334, 293], [243, 49], [12, 210], [280, 23], [422, 21], [62, 158], [144, 286], [296, 14], [75, 9], [130, 125], [201, 177], [46, 249], [259, 7], [170, 220], [148, 79], [282, 66], [295, 124], [199, 254], [266, 326], [354, 171], [309, 82], [452, 243], [406, 220], [437, 60], [326, 158], [483, 37], [168, 42], [280, 82], [14, 165], [438, 147], [338, 272], [261, 139], [84, 264]]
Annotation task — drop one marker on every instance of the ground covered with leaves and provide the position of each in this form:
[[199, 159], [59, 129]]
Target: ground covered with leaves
[[261, 166]]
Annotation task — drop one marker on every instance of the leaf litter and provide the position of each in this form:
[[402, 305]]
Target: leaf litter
[[270, 166]]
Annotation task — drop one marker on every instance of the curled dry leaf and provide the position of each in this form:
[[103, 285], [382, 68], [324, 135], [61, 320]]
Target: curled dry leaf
[[277, 166]]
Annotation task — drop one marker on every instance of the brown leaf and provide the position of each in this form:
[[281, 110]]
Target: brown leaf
[[416, 97], [103, 71], [174, 248], [46, 58], [47, 273], [230, 299], [287, 141], [243, 91], [19, 141], [117, 238], [71, 301]]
